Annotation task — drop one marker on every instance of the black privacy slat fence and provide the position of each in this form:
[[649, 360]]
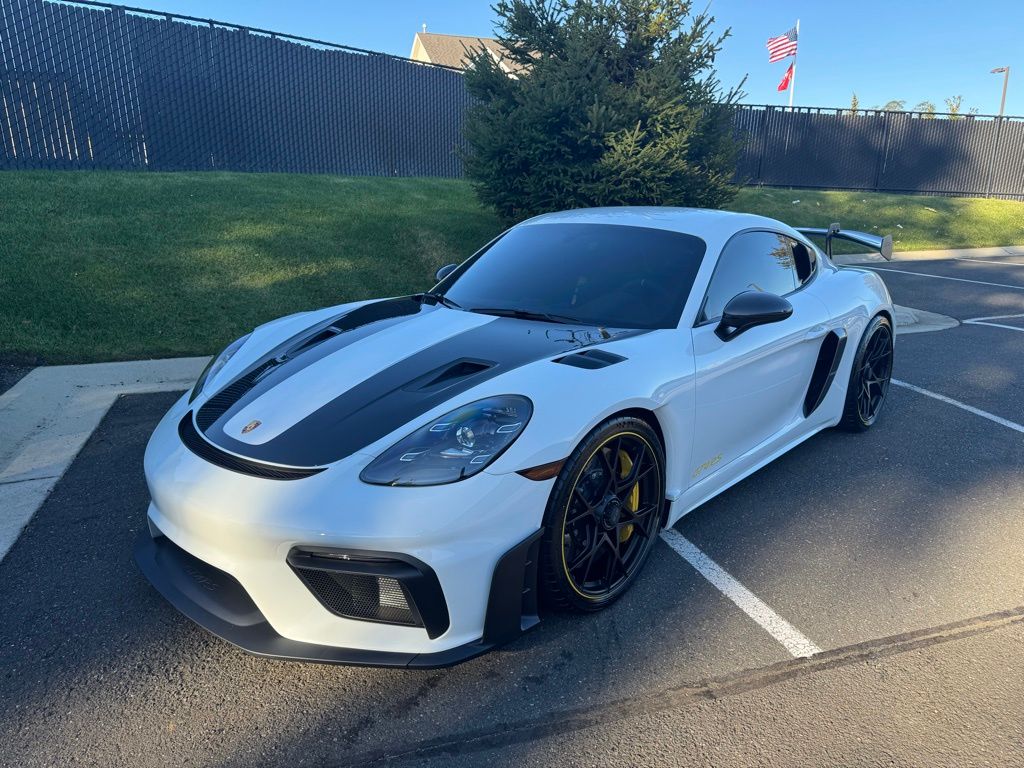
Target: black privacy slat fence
[[90, 85], [882, 151]]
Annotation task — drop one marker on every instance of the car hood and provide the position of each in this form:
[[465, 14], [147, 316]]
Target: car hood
[[345, 382]]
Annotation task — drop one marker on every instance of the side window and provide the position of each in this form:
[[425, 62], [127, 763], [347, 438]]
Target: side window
[[753, 261]]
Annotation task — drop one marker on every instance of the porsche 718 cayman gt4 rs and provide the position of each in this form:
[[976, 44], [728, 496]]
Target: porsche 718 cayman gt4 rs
[[404, 481]]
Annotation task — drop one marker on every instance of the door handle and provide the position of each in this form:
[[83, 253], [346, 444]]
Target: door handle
[[816, 332]]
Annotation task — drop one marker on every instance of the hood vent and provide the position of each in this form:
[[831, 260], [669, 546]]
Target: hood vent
[[317, 338], [439, 378], [590, 359]]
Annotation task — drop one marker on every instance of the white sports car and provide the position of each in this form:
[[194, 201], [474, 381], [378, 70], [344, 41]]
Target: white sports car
[[402, 482]]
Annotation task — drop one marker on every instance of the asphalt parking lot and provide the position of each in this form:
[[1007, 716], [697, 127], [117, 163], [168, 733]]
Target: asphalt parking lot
[[898, 553]]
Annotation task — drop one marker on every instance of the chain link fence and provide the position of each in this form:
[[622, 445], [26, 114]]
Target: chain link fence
[[92, 85]]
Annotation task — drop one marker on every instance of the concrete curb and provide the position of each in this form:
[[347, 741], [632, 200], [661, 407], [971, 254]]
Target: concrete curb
[[46, 418], [953, 253], [920, 321]]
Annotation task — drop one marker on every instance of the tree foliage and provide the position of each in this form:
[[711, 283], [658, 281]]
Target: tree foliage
[[955, 107], [926, 108], [854, 103], [609, 102]]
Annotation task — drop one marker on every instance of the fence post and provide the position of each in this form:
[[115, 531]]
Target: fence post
[[764, 142], [992, 156], [880, 165]]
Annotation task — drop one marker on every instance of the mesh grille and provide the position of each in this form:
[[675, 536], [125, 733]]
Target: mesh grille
[[211, 453], [357, 596]]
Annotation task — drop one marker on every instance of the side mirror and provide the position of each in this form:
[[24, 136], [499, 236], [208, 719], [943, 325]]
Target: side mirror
[[444, 271], [751, 308]]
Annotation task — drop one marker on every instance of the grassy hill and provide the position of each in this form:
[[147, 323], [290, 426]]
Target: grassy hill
[[107, 266]]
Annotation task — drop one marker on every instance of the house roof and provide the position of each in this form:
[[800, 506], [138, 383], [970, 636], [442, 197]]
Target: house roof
[[454, 50]]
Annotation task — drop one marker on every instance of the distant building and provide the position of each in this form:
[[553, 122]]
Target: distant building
[[454, 50]]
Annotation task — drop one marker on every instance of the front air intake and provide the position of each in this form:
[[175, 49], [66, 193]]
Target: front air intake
[[382, 587], [356, 596]]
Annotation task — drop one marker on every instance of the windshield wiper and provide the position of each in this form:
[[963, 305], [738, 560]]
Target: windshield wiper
[[439, 298], [525, 314]]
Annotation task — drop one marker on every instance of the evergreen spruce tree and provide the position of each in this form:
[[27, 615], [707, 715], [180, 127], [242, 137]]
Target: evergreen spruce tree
[[601, 102]]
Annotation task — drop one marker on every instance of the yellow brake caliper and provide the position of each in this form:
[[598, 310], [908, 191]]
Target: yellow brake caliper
[[633, 501]]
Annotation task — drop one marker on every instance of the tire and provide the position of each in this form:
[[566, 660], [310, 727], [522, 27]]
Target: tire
[[603, 516], [870, 376]]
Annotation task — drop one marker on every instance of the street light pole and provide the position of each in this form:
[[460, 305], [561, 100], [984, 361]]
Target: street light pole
[[1006, 80]]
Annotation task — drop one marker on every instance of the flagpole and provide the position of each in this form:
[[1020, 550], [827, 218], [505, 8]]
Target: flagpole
[[792, 79]]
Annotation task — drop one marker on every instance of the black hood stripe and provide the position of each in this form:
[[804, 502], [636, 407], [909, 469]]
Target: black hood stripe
[[408, 389], [304, 349]]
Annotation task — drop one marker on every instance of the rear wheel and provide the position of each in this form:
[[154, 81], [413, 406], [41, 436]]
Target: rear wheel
[[869, 379], [603, 516]]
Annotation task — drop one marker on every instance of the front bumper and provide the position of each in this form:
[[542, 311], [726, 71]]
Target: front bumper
[[239, 533], [216, 601]]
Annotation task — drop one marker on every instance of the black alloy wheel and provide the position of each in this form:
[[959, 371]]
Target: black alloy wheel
[[603, 515], [869, 379]]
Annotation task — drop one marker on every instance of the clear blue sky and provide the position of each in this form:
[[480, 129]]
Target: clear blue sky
[[882, 49]]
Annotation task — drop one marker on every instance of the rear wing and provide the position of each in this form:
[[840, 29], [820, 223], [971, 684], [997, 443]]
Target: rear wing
[[875, 242]]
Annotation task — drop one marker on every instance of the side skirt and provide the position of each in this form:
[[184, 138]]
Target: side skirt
[[686, 503]]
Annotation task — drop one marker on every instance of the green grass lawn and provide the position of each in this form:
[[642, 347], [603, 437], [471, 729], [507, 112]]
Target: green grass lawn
[[108, 266]]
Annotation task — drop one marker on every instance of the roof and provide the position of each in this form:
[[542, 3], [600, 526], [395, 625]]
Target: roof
[[454, 50], [709, 224]]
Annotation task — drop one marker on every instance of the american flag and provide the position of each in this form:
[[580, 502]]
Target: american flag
[[782, 46]]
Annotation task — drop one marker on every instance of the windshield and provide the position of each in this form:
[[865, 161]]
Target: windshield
[[595, 274]]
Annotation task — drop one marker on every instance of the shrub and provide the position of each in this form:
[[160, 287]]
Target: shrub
[[609, 102]]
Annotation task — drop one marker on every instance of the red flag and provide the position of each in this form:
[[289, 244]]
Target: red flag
[[786, 78]]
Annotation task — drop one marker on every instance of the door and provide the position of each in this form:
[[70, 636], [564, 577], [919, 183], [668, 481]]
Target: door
[[752, 387]]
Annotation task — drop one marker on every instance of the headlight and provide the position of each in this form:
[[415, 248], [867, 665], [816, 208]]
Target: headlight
[[453, 447], [216, 364]]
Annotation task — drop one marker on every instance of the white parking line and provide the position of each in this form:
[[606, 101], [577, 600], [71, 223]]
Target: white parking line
[[991, 261], [969, 408], [993, 317], [993, 325], [945, 277], [987, 321], [776, 626]]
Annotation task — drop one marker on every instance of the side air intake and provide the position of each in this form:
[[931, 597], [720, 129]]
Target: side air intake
[[829, 356]]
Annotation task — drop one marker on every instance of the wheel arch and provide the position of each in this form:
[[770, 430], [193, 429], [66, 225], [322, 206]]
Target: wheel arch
[[654, 422], [647, 415]]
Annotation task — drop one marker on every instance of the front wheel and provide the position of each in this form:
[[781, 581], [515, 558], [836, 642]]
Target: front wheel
[[603, 516], [869, 379]]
